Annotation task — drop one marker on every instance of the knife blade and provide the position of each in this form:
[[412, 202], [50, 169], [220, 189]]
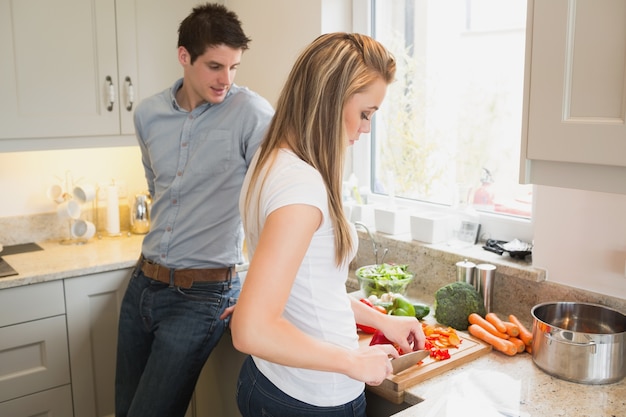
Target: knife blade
[[405, 361]]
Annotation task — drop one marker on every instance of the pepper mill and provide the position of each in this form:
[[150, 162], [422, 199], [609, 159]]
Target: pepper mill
[[485, 276]]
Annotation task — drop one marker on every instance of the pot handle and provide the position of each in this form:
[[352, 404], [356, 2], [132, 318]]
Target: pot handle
[[590, 344]]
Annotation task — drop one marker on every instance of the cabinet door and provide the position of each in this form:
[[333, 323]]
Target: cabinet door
[[58, 66], [93, 305], [53, 402], [216, 390], [82, 72], [575, 130], [147, 47], [33, 357]]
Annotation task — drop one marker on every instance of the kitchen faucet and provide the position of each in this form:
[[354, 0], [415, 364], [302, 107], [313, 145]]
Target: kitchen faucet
[[374, 243]]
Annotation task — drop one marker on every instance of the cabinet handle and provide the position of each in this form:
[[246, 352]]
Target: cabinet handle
[[111, 93], [131, 93]]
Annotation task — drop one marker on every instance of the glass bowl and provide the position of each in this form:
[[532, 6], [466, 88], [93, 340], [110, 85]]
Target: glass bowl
[[383, 278]]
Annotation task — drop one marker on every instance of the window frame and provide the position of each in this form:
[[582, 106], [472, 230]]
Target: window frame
[[493, 225]]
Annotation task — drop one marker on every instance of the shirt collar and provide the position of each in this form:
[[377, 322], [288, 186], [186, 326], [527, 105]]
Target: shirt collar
[[178, 84]]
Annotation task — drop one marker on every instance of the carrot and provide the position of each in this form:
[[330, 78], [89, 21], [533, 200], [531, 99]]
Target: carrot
[[511, 329], [475, 318], [499, 344], [529, 349], [524, 334], [495, 320], [521, 346]]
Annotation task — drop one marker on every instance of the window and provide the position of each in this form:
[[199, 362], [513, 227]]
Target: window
[[449, 130]]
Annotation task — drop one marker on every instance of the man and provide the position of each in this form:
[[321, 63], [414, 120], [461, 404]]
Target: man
[[197, 139]]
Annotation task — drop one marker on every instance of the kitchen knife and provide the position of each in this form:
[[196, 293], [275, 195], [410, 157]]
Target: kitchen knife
[[403, 362]]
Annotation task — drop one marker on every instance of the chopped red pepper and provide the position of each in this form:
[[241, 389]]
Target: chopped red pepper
[[440, 354]]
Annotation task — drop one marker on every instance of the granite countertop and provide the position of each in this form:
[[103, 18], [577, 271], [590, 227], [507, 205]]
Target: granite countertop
[[59, 261], [497, 385]]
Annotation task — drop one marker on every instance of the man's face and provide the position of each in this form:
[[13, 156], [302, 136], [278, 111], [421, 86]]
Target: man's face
[[211, 74]]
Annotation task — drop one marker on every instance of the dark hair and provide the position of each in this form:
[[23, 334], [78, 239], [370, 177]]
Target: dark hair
[[209, 25]]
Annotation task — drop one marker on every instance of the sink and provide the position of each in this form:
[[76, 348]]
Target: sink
[[7, 270], [21, 248], [378, 406]]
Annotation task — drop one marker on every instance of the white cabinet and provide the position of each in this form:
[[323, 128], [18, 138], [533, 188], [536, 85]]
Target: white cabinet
[[574, 131], [77, 68], [52, 402], [58, 343], [34, 367], [216, 389], [93, 305]]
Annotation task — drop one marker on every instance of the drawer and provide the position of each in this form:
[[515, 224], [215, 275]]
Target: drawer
[[53, 402], [31, 302], [33, 357]]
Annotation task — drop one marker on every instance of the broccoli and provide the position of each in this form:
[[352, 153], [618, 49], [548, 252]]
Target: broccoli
[[455, 302]]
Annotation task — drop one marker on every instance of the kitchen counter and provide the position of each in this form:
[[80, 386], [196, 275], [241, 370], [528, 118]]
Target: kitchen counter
[[57, 261], [496, 384]]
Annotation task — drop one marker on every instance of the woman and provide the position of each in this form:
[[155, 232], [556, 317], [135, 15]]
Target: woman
[[294, 316]]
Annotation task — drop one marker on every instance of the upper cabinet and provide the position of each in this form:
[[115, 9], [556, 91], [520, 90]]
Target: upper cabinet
[[574, 131], [78, 67]]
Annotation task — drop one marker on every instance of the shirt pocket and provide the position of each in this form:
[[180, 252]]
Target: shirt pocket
[[212, 153]]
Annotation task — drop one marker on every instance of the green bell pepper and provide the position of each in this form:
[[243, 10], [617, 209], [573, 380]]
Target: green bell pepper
[[402, 307]]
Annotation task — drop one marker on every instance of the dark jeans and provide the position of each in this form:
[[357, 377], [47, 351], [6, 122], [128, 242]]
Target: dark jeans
[[258, 397], [165, 336]]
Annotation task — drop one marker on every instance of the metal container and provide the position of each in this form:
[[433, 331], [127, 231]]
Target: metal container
[[465, 272], [140, 213], [579, 342]]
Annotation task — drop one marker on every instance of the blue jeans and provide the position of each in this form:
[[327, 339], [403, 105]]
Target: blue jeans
[[166, 334], [258, 397]]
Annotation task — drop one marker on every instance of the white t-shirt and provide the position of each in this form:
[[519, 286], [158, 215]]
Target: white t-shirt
[[318, 304]]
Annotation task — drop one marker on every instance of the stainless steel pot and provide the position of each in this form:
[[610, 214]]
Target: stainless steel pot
[[579, 342]]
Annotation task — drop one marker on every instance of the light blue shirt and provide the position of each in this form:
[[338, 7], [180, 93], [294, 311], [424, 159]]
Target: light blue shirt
[[195, 163]]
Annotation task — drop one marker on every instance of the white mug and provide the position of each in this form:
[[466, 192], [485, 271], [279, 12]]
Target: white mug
[[85, 193], [55, 193], [83, 229], [68, 210]]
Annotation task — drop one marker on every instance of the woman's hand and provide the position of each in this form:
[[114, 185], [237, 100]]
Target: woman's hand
[[373, 364], [405, 331]]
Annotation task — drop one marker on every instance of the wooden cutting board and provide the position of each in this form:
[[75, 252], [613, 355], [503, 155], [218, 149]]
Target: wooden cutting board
[[394, 386]]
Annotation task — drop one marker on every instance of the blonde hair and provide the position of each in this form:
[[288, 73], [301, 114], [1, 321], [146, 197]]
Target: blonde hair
[[309, 113]]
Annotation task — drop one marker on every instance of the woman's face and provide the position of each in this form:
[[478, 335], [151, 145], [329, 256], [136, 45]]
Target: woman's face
[[359, 109]]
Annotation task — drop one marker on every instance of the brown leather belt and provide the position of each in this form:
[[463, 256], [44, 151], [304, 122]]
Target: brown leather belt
[[185, 278]]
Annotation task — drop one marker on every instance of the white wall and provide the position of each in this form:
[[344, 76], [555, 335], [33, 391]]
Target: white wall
[[277, 39], [25, 176], [580, 238]]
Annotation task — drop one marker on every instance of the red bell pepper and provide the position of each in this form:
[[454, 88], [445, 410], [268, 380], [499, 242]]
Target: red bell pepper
[[380, 309], [379, 339]]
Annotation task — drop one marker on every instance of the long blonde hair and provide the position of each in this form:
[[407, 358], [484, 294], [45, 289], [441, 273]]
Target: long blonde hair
[[309, 113]]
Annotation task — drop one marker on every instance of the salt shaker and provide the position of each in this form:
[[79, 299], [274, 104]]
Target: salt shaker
[[465, 272]]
